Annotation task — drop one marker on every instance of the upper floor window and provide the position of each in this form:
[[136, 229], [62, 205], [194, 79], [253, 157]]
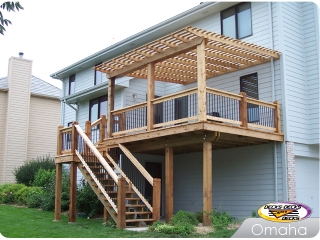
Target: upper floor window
[[236, 21], [97, 76], [72, 84]]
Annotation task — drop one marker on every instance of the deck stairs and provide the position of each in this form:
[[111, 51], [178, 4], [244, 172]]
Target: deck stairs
[[102, 173]]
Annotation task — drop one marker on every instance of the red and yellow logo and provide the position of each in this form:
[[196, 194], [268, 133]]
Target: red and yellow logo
[[284, 211]]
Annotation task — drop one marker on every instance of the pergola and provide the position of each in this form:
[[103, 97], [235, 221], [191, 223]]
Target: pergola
[[183, 57], [175, 57]]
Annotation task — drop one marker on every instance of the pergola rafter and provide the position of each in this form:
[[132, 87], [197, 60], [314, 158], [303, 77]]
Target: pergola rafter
[[175, 57]]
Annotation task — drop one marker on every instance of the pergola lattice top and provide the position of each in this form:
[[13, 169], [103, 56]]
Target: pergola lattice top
[[175, 57]]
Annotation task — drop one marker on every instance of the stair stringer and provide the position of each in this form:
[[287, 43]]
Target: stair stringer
[[99, 194]]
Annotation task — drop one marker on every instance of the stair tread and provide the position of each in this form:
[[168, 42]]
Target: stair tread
[[140, 220]]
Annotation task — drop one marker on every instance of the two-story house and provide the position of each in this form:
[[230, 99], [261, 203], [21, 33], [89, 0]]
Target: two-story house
[[220, 102]]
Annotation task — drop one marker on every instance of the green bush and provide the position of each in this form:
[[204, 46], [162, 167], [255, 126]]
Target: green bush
[[199, 216], [182, 229], [44, 178], [183, 217], [221, 220], [35, 197], [25, 174], [21, 196], [47, 180], [8, 193], [87, 201]]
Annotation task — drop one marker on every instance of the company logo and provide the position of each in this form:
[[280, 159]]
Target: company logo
[[284, 211]]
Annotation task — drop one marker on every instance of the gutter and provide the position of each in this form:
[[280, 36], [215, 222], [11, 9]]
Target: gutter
[[124, 45]]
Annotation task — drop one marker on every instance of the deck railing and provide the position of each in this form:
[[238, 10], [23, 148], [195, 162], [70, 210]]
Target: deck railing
[[182, 107]]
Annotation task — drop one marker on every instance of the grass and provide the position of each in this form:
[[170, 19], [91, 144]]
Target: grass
[[20, 222]]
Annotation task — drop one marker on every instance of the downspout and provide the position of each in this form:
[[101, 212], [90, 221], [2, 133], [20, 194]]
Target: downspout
[[275, 156], [75, 109]]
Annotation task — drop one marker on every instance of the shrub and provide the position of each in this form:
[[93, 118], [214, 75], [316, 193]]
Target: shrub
[[8, 193], [34, 197], [21, 196], [199, 216], [182, 229], [221, 220], [87, 201], [44, 178], [183, 217], [25, 174]]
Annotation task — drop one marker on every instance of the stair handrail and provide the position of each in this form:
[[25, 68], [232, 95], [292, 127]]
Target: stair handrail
[[136, 163], [130, 183], [97, 154], [97, 182]]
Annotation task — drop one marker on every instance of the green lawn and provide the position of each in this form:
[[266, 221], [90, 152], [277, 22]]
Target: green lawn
[[19, 222]]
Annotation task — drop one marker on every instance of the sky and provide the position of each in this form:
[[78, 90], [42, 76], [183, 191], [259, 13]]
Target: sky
[[57, 33]]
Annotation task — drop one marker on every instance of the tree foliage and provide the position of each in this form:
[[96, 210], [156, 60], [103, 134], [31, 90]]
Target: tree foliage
[[8, 6]]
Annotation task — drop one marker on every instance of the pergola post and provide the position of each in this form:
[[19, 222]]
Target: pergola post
[[207, 182], [169, 182], [201, 79], [150, 96], [111, 87]]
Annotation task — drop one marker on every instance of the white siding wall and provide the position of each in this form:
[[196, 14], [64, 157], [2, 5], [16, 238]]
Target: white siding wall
[[3, 118], [312, 51], [44, 119], [243, 180]]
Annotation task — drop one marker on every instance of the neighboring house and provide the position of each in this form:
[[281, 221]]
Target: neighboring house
[[29, 114], [260, 153]]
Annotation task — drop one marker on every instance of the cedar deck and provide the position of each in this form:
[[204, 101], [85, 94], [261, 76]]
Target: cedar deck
[[211, 119]]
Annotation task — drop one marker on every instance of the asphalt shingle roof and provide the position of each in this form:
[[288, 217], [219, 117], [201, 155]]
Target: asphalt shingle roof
[[38, 86]]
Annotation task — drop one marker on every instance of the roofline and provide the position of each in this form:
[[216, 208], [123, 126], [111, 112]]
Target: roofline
[[117, 46]]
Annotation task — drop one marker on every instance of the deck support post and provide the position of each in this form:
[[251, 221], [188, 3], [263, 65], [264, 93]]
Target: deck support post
[[156, 199], [111, 87], [58, 187], [169, 182], [87, 131], [201, 75], [150, 96], [207, 182], [73, 192], [121, 200]]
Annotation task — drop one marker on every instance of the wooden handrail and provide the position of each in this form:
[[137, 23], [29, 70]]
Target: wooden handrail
[[174, 95], [224, 93], [137, 164], [133, 107], [95, 123], [97, 154], [66, 129], [261, 103]]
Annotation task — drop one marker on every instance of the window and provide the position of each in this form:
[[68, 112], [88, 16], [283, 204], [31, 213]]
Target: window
[[236, 21], [249, 85], [72, 84], [97, 76], [98, 107]]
